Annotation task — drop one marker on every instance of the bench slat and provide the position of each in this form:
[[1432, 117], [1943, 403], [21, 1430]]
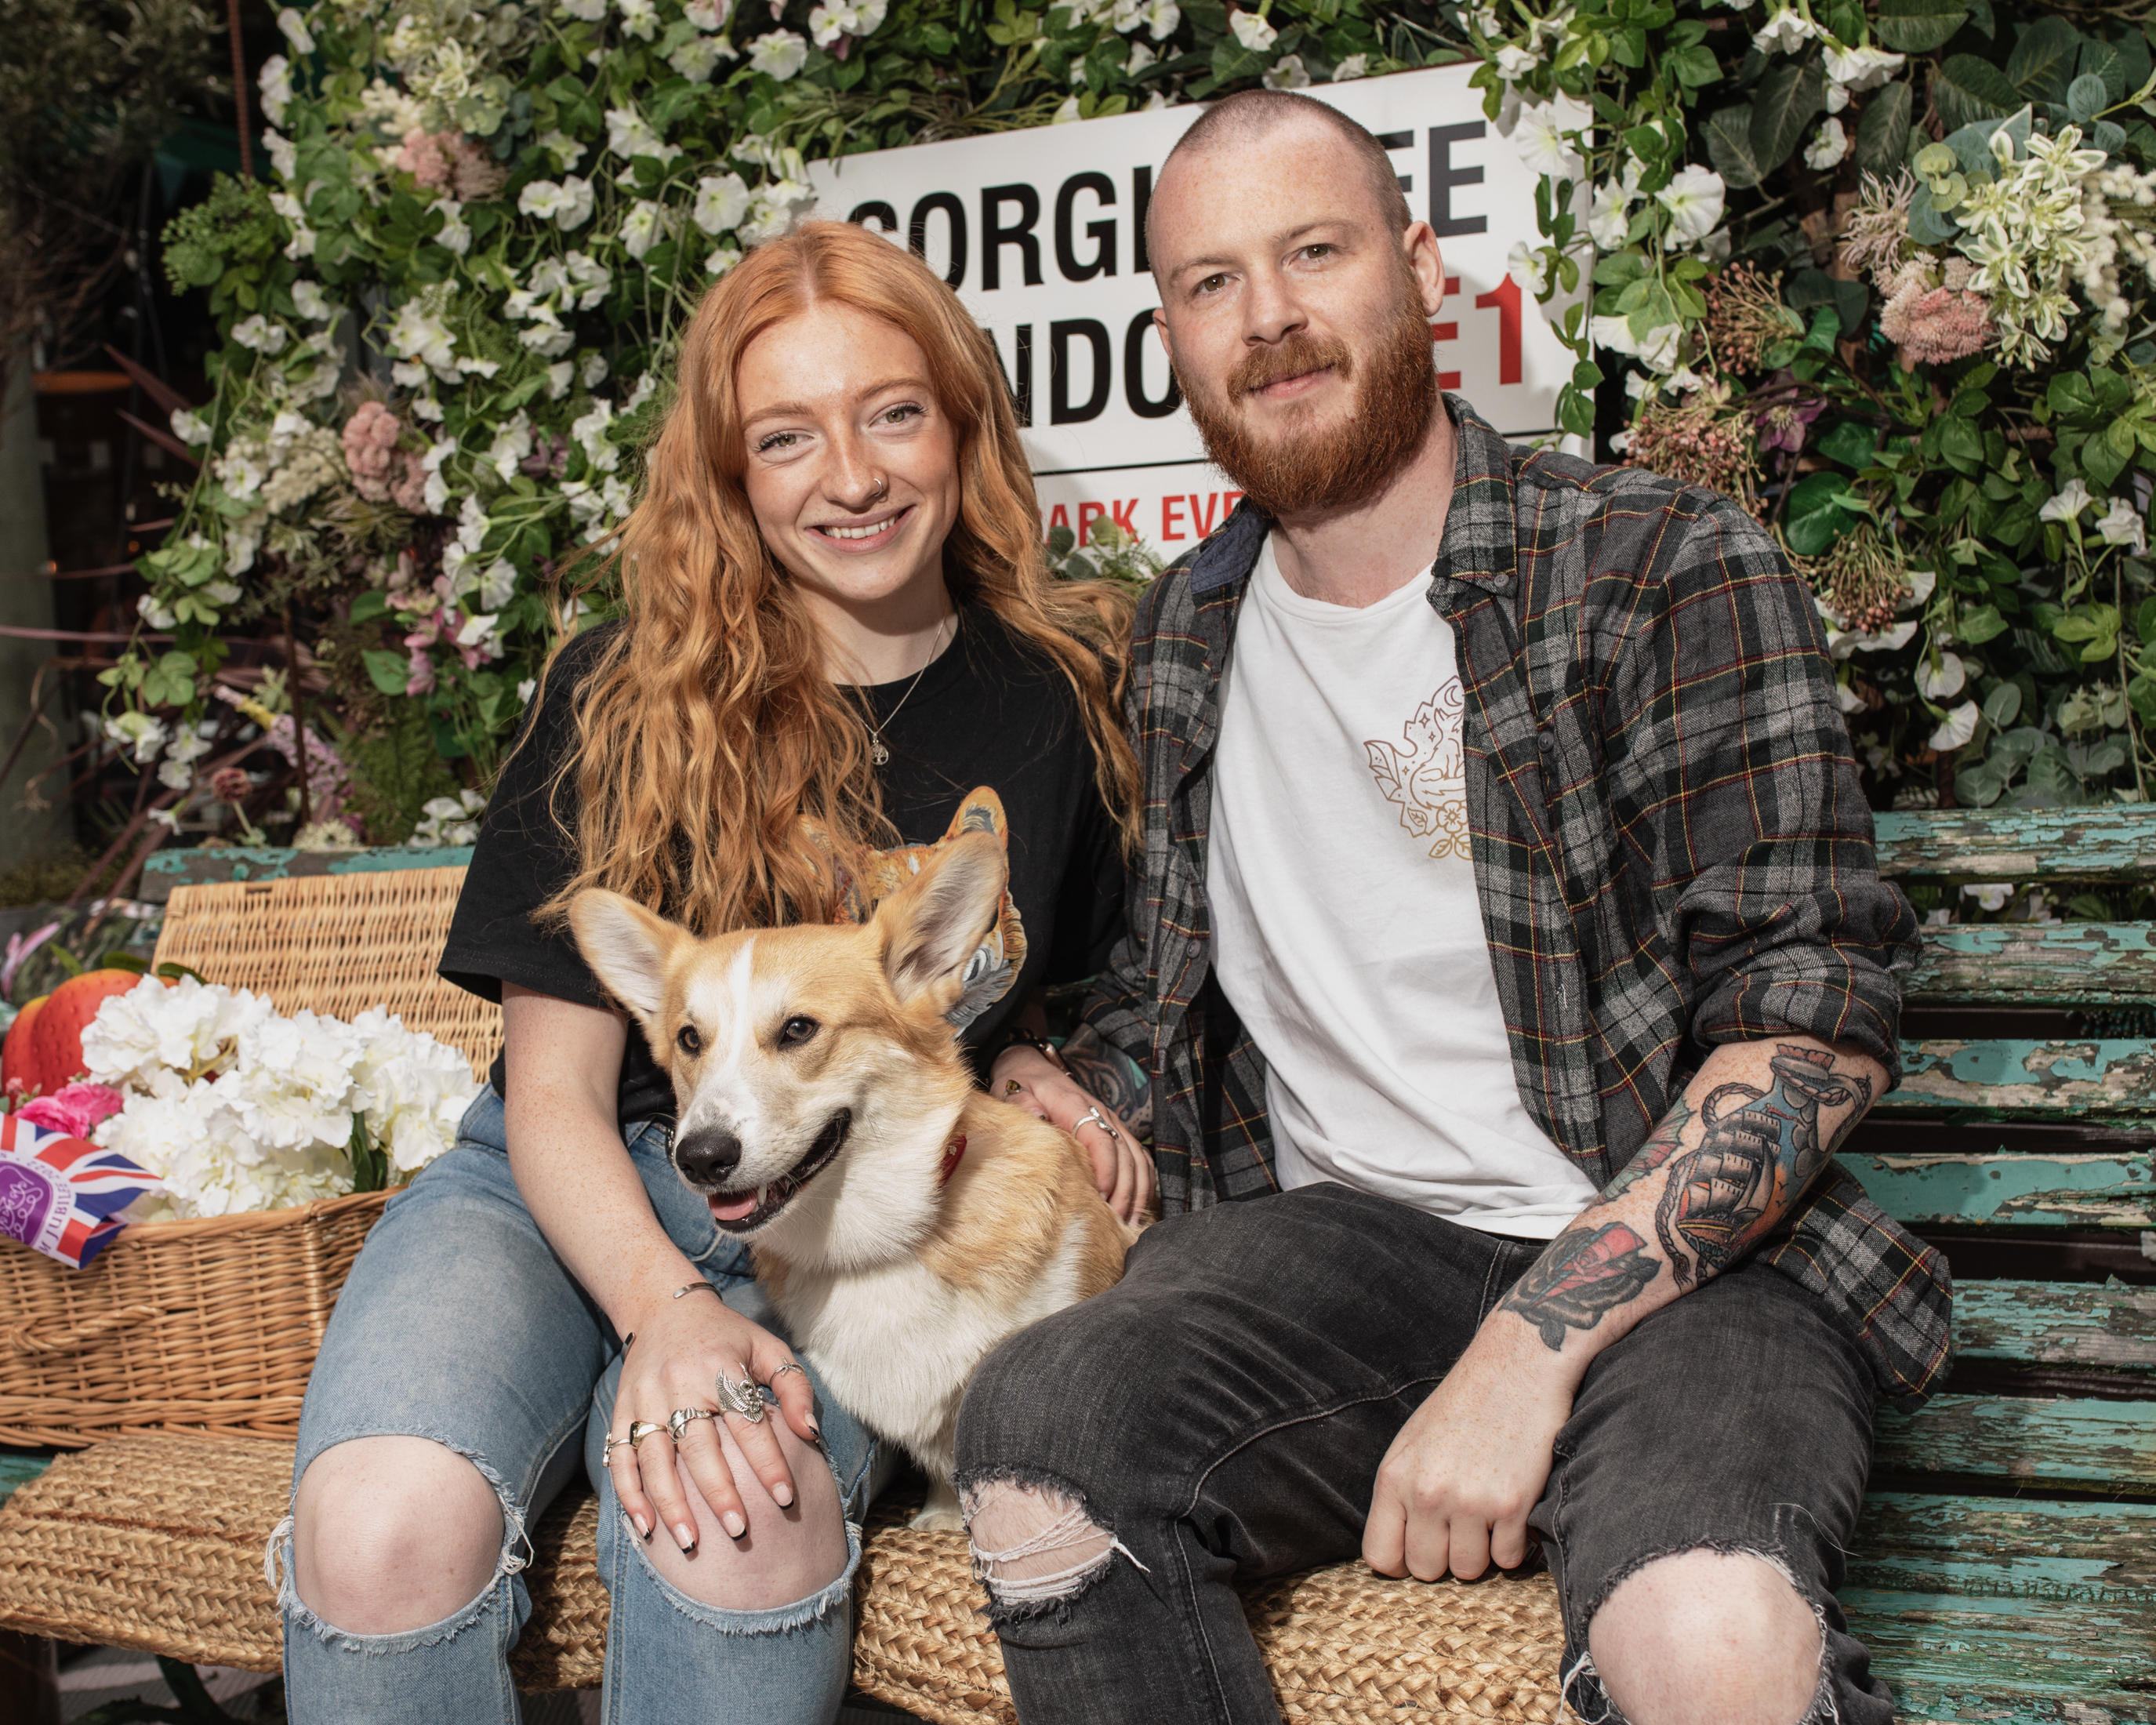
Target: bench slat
[[2017, 844], [1940, 1189], [2035, 964], [2077, 1080], [2091, 1446], [2057, 1324], [2008, 1548], [2007, 1662]]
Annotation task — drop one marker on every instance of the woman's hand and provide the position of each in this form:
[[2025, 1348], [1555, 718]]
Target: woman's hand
[[1122, 1167], [682, 1346]]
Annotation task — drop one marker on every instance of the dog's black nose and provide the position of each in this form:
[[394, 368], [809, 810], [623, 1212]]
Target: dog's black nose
[[706, 1156]]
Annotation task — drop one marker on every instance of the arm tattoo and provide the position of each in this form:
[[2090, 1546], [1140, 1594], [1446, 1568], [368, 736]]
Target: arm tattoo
[[1761, 1148], [1118, 1081], [1667, 1141], [1584, 1273]]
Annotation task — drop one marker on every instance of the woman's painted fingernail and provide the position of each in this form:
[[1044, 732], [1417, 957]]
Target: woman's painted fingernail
[[782, 1494], [643, 1528], [735, 1525], [814, 1429], [685, 1536]]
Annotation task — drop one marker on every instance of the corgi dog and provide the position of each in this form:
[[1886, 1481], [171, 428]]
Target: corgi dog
[[904, 1223]]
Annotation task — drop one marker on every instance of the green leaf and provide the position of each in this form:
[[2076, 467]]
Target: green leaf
[[369, 605], [1782, 104], [1729, 148], [1962, 444], [1882, 134], [2085, 98], [1919, 26], [2042, 62], [389, 671], [1983, 624], [1847, 442], [2141, 692], [2002, 705], [1967, 89], [2145, 622], [1927, 226], [1815, 518]]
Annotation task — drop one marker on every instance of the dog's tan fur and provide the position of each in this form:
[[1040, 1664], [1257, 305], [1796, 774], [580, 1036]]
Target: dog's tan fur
[[892, 1281]]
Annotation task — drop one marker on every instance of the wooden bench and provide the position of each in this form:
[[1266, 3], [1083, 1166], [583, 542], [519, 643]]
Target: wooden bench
[[2004, 1569]]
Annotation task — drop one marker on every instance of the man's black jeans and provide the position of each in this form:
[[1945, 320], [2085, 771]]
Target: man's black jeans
[[1224, 1409]]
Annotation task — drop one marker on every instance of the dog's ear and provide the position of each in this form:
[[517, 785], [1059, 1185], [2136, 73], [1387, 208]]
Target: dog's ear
[[933, 925], [626, 946]]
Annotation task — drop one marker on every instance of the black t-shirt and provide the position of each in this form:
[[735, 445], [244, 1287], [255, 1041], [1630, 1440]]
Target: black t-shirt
[[991, 714]]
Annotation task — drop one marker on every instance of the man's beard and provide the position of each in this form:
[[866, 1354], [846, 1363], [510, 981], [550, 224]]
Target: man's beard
[[1331, 466]]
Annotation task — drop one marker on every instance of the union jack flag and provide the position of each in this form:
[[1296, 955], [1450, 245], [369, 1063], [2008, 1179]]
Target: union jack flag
[[61, 1195]]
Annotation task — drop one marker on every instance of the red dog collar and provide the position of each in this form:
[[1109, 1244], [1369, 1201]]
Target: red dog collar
[[952, 1151]]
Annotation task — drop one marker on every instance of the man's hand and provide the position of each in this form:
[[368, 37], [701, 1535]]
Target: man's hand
[[1454, 1490]]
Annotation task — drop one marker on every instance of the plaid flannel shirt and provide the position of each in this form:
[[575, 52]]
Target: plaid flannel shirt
[[1670, 847]]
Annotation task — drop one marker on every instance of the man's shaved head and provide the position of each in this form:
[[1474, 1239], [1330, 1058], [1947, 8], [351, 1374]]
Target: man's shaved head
[[1252, 114]]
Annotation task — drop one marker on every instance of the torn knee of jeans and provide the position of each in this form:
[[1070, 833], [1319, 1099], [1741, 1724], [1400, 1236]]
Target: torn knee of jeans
[[1034, 1546]]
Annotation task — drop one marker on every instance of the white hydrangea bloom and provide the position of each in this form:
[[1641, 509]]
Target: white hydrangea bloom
[[160, 1037], [410, 1089]]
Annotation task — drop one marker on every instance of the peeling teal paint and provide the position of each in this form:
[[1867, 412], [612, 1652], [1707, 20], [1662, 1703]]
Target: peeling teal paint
[[2054, 1191], [198, 867], [2111, 1325], [2036, 1080], [2019, 844], [2099, 1445], [2035, 964]]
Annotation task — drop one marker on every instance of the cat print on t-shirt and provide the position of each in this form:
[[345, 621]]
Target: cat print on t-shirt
[[1428, 778]]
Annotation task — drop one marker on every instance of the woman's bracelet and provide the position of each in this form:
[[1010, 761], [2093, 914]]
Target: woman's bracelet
[[629, 1340], [1017, 1035]]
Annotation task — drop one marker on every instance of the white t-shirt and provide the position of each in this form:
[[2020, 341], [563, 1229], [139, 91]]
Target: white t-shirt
[[1346, 932]]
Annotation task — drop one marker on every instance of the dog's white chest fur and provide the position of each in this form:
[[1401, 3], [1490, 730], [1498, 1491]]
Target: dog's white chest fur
[[898, 1345]]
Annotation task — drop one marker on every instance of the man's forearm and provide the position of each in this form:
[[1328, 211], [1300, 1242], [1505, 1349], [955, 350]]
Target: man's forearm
[[1737, 1152]]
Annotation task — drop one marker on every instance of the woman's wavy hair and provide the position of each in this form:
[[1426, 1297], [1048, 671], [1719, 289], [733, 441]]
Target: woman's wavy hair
[[720, 777]]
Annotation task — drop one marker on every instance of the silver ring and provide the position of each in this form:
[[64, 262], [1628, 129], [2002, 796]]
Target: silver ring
[[639, 1429], [1094, 1116], [744, 1399], [792, 1365], [883, 486], [677, 1421], [608, 1448]]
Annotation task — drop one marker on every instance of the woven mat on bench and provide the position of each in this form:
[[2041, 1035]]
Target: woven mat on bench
[[156, 1543]]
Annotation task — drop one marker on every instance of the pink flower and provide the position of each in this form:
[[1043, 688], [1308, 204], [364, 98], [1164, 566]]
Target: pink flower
[[74, 1109], [422, 158], [422, 679], [370, 450], [1938, 327], [409, 493]]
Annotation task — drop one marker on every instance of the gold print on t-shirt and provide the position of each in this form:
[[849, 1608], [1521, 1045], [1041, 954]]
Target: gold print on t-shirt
[[1429, 777]]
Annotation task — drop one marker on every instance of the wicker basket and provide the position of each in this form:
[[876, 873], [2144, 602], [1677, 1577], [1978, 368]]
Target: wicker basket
[[212, 1325]]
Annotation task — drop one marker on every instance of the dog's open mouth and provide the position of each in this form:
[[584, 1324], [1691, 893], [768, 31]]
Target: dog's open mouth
[[739, 1212]]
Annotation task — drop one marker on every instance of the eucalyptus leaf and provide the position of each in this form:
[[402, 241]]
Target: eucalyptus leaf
[[2102, 60], [2085, 98], [1927, 226], [2002, 705]]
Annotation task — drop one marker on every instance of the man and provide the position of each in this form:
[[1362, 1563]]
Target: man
[[1509, 932]]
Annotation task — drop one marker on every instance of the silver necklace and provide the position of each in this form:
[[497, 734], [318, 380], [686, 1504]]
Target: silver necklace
[[877, 751]]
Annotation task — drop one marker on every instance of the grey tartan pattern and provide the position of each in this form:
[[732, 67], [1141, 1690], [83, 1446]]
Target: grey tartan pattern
[[1670, 845]]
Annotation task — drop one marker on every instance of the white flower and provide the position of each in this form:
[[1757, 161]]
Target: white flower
[[558, 379], [420, 334], [565, 149], [512, 442], [2123, 525], [1356, 65], [698, 57], [1855, 68], [142, 732], [568, 205], [593, 372], [721, 201], [1992, 897], [1936, 682], [1955, 729], [777, 54], [1288, 73], [1525, 266], [777, 208], [828, 22], [1514, 62], [312, 303], [1611, 217], [630, 135], [190, 428], [275, 83], [438, 488], [646, 224], [260, 334], [639, 18], [1539, 137], [589, 434], [1694, 200], [284, 153], [1657, 350], [722, 259], [497, 584], [1837, 98], [1161, 17], [454, 236], [1067, 113], [2067, 504], [706, 15], [1253, 31], [1784, 32], [1826, 149], [590, 11]]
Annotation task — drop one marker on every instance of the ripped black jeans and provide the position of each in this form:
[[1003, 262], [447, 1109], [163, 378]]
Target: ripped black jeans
[[1223, 1411]]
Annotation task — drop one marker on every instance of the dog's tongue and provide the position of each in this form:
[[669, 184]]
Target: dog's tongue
[[733, 1209]]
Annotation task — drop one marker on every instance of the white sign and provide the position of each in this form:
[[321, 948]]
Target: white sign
[[1042, 232]]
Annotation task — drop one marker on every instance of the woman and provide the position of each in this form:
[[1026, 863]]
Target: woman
[[839, 641]]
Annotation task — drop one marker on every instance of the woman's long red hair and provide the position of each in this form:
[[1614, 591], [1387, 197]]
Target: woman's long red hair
[[708, 730]]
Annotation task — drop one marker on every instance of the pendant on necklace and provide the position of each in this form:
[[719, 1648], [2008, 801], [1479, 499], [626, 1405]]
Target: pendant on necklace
[[879, 754]]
